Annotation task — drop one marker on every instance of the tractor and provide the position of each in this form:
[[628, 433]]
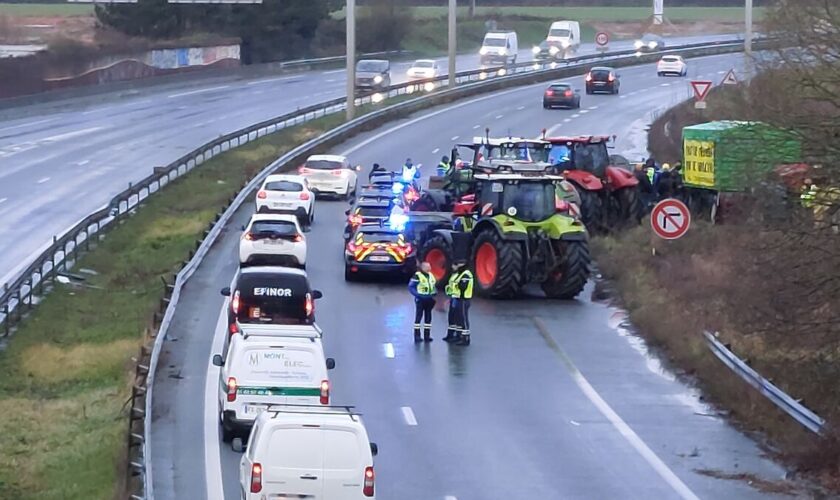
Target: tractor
[[609, 193], [506, 222]]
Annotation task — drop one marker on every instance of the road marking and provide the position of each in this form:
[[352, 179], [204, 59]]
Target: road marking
[[332, 72], [331, 80], [199, 91], [435, 151], [212, 453], [520, 108], [622, 97], [575, 115], [3, 200], [620, 425], [476, 127], [454, 138], [566, 120], [43, 180], [82, 163], [721, 72], [389, 350], [28, 124], [499, 117], [450, 497], [269, 80], [584, 111], [576, 424], [665, 85], [592, 108], [408, 415], [69, 135]]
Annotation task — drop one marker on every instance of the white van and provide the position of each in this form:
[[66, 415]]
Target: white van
[[264, 370], [318, 453], [499, 47], [565, 34]]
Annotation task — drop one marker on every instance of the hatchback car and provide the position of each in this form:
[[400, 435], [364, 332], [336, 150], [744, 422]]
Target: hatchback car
[[422, 69], [272, 239], [561, 94], [602, 79], [287, 194], [672, 65], [330, 174]]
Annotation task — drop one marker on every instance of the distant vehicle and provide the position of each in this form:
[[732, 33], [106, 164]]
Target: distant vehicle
[[287, 194], [561, 94], [423, 69], [565, 34], [372, 209], [308, 452], [672, 65], [499, 47], [273, 239], [330, 174], [376, 248], [650, 43], [373, 74], [602, 79]]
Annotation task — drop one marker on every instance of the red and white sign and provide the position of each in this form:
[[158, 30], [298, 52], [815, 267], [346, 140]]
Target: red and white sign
[[730, 78], [602, 39], [701, 89], [670, 219]]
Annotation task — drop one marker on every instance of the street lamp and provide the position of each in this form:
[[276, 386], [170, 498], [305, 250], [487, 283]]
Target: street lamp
[[351, 58]]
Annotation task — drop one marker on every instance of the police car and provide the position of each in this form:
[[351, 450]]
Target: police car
[[378, 248], [273, 239], [265, 295], [287, 194], [268, 365], [371, 210]]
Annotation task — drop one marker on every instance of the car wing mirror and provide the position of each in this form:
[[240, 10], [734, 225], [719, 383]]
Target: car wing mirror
[[347, 212], [217, 360], [330, 363], [225, 291], [358, 168], [374, 449], [317, 294], [243, 227]]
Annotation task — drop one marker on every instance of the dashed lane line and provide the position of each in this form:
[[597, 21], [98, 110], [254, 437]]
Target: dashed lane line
[[435, 151], [199, 91], [454, 138], [408, 415], [388, 348], [43, 180]]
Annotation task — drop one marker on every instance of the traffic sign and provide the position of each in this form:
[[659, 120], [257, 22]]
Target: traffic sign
[[730, 78], [701, 89], [602, 39], [670, 219]]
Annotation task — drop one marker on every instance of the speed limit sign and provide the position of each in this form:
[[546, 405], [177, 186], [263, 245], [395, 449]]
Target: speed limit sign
[[602, 39]]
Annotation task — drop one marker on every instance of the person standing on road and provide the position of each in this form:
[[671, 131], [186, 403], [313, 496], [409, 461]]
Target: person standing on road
[[464, 288], [377, 169], [443, 167], [422, 287], [453, 332]]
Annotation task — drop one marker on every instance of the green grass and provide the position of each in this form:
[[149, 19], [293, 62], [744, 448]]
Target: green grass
[[45, 9]]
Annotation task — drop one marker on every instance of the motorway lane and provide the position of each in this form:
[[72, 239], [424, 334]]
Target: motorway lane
[[66, 159], [509, 417]]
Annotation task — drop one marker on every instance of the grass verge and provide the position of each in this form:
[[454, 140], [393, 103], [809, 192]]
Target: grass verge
[[45, 9], [64, 374]]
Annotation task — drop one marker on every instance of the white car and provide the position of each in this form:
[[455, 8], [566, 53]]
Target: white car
[[308, 452], [287, 194], [422, 69], [330, 174], [671, 65], [264, 370], [273, 239]]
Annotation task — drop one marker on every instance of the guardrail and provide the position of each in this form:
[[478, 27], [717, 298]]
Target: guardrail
[[36, 280], [778, 397]]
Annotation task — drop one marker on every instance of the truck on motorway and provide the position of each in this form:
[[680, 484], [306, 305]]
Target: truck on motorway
[[727, 157], [499, 47], [566, 35]]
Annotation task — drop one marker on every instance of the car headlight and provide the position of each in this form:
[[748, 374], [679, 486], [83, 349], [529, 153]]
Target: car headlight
[[553, 50], [652, 45], [535, 50], [377, 79], [502, 52], [639, 44], [565, 43], [483, 51]]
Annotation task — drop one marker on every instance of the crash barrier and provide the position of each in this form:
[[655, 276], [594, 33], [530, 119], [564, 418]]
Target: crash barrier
[[778, 397], [53, 264]]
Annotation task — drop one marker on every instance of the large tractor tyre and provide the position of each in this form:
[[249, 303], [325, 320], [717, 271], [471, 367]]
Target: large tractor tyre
[[629, 206], [591, 211], [568, 281], [499, 265], [438, 253]]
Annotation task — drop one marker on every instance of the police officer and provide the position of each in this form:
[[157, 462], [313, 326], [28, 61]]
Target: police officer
[[453, 331], [464, 282], [422, 287], [443, 167]]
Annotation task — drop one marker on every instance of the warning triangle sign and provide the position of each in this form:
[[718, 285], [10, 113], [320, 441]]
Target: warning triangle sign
[[730, 79], [701, 89]]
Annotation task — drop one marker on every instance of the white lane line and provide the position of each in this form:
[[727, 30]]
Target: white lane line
[[28, 124], [269, 80], [43, 180], [592, 108], [622, 97], [520, 108], [476, 127], [212, 453], [584, 111], [575, 115], [566, 120], [620, 425], [665, 85], [499, 117], [330, 80], [70, 135], [82, 163], [332, 72], [454, 138], [389, 350], [435, 151], [450, 497], [408, 415], [576, 424], [199, 91], [721, 72], [3, 200]]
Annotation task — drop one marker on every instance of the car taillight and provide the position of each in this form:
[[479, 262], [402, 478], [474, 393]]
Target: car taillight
[[298, 238], [351, 247], [561, 205], [549, 92], [248, 236], [231, 389], [325, 392], [304, 196], [589, 77], [303, 170], [568, 93], [256, 478], [235, 302], [233, 329], [611, 78], [338, 172], [370, 478], [309, 305], [261, 195], [355, 219]]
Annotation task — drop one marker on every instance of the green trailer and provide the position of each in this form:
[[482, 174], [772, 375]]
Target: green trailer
[[730, 157]]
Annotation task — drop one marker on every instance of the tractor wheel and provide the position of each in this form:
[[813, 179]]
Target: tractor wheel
[[438, 253], [629, 208], [499, 265], [591, 210], [570, 278]]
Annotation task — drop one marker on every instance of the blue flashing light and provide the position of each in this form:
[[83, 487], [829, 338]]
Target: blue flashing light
[[397, 187], [397, 221], [408, 174]]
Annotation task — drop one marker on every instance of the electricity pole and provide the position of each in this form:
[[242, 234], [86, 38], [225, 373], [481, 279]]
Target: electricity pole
[[351, 58], [749, 28], [452, 42]]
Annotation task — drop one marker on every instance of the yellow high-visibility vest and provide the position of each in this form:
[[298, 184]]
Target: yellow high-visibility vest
[[425, 283], [468, 293]]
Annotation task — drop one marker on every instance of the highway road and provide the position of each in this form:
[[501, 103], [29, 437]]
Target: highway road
[[553, 399], [60, 161]]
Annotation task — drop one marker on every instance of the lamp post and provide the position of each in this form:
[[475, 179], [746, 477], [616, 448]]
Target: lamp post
[[351, 58], [748, 19], [452, 42]]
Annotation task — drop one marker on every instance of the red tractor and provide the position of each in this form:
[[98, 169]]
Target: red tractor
[[609, 194]]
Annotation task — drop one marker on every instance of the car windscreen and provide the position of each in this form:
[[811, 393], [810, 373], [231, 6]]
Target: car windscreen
[[534, 201], [273, 298], [670, 59], [600, 74], [276, 366], [424, 64], [287, 186], [560, 88], [563, 33], [273, 228], [372, 66], [380, 237], [323, 165], [374, 211], [592, 158], [495, 42]]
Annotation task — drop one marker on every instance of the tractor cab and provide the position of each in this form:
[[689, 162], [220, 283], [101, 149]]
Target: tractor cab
[[510, 154], [587, 153]]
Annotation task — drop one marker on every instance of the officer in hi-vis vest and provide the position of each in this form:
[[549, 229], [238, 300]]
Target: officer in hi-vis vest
[[453, 331], [461, 285], [422, 287]]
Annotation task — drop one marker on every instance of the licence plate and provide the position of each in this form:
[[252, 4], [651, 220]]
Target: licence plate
[[274, 242], [281, 205], [254, 409], [379, 258]]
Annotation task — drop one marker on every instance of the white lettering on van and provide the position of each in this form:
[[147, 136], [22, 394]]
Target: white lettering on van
[[273, 292]]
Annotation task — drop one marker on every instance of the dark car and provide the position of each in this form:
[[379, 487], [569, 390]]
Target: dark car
[[549, 52], [561, 94], [373, 74], [270, 295], [377, 248], [602, 79], [372, 210], [650, 43]]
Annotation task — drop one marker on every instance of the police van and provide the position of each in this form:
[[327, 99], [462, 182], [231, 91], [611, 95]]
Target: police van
[[308, 452], [264, 368], [267, 295]]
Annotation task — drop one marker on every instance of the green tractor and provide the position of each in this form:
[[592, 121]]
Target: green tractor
[[510, 230]]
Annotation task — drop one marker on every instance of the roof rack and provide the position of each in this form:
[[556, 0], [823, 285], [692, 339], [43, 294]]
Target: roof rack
[[291, 331], [302, 409]]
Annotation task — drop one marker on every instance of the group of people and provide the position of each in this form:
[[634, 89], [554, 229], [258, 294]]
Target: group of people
[[459, 290], [658, 182]]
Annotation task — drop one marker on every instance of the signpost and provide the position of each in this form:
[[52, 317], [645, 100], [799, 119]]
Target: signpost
[[701, 90], [730, 78], [670, 219], [602, 41]]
